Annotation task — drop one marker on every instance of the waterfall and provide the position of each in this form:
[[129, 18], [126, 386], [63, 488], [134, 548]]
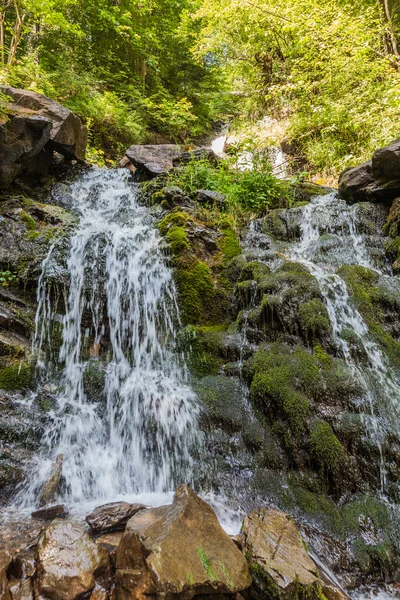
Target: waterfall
[[381, 396], [135, 434]]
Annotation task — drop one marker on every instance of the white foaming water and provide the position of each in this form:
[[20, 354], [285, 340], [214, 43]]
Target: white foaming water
[[381, 395], [120, 316]]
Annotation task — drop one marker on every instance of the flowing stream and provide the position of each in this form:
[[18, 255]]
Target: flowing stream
[[380, 401], [119, 324]]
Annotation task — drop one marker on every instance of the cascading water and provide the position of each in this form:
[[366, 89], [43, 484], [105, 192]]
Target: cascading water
[[120, 317], [380, 401]]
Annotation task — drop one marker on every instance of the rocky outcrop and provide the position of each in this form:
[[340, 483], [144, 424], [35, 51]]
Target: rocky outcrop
[[279, 562], [68, 561], [35, 127], [377, 180], [153, 160], [112, 517], [178, 551]]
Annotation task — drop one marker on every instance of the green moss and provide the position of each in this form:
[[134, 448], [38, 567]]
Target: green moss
[[177, 218], [177, 240], [205, 561], [28, 220], [372, 301], [274, 226], [230, 244], [253, 270], [31, 236], [16, 377], [204, 347], [314, 318], [326, 448], [196, 293]]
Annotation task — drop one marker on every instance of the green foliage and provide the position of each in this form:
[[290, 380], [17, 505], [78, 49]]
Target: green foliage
[[254, 190], [329, 68], [8, 278], [326, 448], [125, 67]]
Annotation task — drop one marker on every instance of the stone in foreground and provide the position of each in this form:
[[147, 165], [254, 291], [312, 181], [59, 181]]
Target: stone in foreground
[[178, 551], [112, 517], [68, 561], [151, 161], [279, 562]]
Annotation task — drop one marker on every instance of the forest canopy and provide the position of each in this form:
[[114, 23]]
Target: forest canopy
[[170, 69]]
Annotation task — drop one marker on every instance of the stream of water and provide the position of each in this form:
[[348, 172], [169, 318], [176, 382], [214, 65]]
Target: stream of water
[[120, 320], [380, 401]]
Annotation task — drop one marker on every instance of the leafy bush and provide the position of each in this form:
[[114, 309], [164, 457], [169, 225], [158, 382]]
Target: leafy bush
[[253, 190]]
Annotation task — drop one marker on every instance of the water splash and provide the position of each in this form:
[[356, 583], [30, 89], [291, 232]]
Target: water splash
[[120, 316]]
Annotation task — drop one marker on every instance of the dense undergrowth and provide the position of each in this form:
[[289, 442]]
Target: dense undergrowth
[[167, 70]]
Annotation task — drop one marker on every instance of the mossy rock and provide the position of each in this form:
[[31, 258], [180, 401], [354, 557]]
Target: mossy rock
[[378, 306], [203, 348], [326, 448], [16, 377]]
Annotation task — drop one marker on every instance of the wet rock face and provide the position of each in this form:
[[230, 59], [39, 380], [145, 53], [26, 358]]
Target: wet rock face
[[112, 517], [178, 551], [68, 561]]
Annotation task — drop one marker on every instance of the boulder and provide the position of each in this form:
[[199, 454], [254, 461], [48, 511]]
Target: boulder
[[153, 160], [112, 517], [199, 154], [386, 162], [377, 180], [22, 141], [68, 561], [49, 489], [178, 551], [278, 559], [68, 135]]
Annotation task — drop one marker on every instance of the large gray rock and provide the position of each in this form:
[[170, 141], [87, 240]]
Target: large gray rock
[[178, 551], [22, 141], [68, 561], [153, 160], [68, 135], [377, 180], [36, 126]]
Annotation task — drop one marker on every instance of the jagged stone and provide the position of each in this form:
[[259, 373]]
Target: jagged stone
[[68, 135], [278, 559], [178, 551], [112, 517], [69, 561], [49, 489]]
